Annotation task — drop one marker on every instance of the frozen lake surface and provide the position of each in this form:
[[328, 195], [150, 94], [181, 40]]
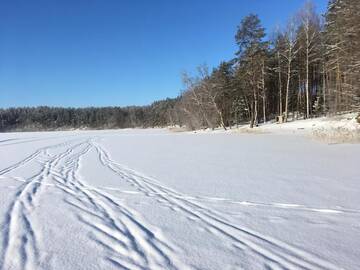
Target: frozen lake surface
[[151, 199]]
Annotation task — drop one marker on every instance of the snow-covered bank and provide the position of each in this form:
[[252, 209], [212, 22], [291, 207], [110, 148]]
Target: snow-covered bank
[[345, 121], [151, 199], [334, 129]]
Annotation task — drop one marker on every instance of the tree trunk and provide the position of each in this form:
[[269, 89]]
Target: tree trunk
[[255, 108], [307, 84], [252, 114], [222, 122], [264, 91], [287, 91], [264, 108], [280, 86], [324, 89]]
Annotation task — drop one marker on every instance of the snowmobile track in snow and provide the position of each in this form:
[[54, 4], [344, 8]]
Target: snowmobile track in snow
[[20, 239], [277, 254], [127, 240], [129, 243]]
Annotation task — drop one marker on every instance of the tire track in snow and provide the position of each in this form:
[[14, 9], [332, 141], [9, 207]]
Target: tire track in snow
[[20, 230], [275, 253], [33, 156], [129, 242]]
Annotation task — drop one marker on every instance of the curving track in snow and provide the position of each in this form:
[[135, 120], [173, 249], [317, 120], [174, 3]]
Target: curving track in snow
[[127, 240], [275, 253]]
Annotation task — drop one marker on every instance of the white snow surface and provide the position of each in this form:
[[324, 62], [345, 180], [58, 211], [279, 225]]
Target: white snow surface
[[308, 126], [153, 199]]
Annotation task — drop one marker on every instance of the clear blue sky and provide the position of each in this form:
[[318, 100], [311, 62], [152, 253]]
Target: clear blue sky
[[117, 52]]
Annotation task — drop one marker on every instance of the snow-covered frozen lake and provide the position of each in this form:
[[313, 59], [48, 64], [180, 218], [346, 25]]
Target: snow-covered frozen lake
[[151, 199]]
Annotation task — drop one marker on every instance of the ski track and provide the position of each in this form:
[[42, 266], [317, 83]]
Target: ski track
[[33, 156], [15, 141], [289, 206], [20, 239], [275, 253], [127, 240]]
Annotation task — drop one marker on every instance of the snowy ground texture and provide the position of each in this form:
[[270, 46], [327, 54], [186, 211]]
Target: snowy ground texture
[[152, 199]]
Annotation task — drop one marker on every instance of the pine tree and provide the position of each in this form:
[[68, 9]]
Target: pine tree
[[250, 58]]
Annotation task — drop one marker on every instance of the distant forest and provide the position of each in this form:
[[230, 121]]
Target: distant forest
[[51, 118], [311, 67]]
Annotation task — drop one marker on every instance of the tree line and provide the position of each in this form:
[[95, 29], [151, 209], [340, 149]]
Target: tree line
[[311, 67], [51, 118]]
